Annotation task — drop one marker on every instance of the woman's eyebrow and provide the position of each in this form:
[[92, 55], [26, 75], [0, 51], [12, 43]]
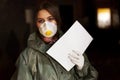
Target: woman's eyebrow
[[39, 18]]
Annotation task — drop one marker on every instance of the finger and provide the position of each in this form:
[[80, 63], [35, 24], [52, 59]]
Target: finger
[[73, 59], [73, 55], [76, 52]]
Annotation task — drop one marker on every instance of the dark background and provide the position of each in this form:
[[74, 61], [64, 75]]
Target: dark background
[[103, 52]]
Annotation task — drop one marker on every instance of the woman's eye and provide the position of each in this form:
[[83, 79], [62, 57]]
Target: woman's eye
[[40, 21], [51, 19]]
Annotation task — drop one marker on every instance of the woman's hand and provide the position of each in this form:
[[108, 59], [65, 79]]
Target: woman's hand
[[77, 58]]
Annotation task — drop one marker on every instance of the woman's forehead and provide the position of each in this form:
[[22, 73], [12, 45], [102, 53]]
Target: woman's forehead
[[43, 14]]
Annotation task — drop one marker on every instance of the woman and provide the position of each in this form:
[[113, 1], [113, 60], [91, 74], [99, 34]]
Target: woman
[[34, 64]]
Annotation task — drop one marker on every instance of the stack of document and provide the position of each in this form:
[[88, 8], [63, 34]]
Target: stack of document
[[76, 38]]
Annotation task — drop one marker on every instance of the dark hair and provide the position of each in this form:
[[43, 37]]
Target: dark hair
[[52, 8]]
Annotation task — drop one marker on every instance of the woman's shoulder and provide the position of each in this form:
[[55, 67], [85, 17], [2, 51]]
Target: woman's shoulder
[[32, 36], [26, 55]]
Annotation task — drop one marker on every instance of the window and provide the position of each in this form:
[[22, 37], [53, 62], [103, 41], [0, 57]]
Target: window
[[103, 17]]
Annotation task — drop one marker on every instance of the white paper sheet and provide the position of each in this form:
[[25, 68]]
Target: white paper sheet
[[76, 38]]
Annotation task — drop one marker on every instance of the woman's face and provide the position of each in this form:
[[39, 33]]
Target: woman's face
[[42, 16]]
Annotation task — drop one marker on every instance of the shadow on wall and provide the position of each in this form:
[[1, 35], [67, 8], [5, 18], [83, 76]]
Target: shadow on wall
[[12, 47], [8, 58]]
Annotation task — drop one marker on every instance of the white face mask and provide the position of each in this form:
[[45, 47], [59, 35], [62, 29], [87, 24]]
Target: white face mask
[[48, 29]]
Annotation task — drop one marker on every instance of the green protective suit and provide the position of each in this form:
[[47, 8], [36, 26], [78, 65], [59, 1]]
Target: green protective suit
[[34, 64]]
